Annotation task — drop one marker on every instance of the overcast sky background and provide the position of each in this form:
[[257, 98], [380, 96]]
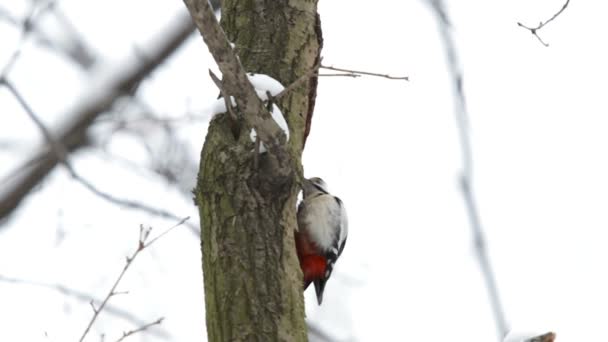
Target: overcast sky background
[[389, 149]]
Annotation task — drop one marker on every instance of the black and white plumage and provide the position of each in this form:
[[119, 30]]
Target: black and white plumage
[[323, 229]]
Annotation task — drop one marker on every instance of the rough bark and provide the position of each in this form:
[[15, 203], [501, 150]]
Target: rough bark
[[253, 284]]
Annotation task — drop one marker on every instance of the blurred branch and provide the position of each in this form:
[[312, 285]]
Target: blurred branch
[[530, 337], [466, 177], [534, 30], [58, 148], [71, 44], [73, 134], [548, 337], [61, 153], [26, 28], [143, 243], [130, 203], [82, 296], [317, 334]]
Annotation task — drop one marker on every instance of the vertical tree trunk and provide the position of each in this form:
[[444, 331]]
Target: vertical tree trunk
[[253, 284]]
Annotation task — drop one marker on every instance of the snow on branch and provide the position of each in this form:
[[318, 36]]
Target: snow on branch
[[235, 82]]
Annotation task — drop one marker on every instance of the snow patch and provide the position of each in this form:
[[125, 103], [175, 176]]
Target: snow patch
[[277, 115], [219, 106], [265, 83]]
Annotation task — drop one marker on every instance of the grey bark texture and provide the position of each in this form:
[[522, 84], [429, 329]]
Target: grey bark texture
[[247, 201]]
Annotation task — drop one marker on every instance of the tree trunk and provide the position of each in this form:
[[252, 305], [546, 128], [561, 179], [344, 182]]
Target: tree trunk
[[247, 204]]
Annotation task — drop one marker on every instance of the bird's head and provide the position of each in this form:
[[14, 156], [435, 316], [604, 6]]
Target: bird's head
[[314, 185]]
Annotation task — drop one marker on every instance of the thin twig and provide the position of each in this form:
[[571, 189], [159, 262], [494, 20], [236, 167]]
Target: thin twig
[[59, 149], [534, 30], [140, 329], [310, 73], [314, 71], [166, 231], [405, 78], [466, 176], [340, 75], [227, 98], [26, 29], [11, 62], [129, 203], [142, 244]]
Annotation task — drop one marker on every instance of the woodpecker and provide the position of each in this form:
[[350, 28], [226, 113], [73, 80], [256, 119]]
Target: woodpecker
[[321, 235]]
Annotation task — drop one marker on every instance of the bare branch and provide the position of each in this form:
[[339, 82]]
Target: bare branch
[[314, 71], [140, 329], [339, 75], [73, 135], [165, 232], [358, 72], [466, 176], [534, 30], [142, 244]]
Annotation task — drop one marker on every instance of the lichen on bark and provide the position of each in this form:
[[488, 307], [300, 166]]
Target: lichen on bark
[[247, 203]]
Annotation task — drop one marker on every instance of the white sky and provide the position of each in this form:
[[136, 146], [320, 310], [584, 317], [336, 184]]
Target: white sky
[[389, 149]]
